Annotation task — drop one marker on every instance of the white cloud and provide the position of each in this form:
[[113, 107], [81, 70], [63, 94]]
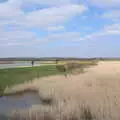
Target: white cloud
[[29, 38], [19, 24], [14, 23], [113, 27], [17, 38], [66, 36], [90, 45], [11, 13], [112, 15], [10, 9], [105, 3], [49, 2], [19, 3], [54, 15], [110, 35], [107, 33], [55, 28]]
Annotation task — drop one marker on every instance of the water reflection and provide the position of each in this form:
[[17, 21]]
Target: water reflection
[[26, 100], [3, 117]]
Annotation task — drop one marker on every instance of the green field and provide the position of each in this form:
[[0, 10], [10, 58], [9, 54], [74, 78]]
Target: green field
[[13, 76]]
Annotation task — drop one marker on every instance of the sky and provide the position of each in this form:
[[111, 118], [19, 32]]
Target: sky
[[59, 28]]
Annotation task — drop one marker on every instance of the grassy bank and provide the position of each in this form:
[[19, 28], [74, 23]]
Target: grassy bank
[[18, 75], [13, 76]]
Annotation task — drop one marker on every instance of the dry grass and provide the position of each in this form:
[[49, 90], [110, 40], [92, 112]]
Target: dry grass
[[70, 67], [94, 95]]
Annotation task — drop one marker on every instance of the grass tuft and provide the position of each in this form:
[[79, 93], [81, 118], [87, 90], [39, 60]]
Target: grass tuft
[[86, 113]]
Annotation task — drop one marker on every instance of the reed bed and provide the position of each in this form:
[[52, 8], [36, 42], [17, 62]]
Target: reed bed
[[94, 95]]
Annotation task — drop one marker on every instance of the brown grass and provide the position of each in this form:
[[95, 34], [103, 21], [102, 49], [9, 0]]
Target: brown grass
[[69, 67], [94, 95]]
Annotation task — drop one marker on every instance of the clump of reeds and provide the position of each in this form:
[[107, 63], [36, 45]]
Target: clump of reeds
[[84, 113], [69, 67]]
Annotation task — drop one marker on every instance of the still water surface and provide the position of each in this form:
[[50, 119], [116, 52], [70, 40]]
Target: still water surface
[[15, 65], [26, 100]]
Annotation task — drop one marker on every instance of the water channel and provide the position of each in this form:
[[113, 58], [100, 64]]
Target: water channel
[[18, 101], [16, 65]]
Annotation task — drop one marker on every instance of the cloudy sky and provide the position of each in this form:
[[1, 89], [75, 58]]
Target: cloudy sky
[[59, 28]]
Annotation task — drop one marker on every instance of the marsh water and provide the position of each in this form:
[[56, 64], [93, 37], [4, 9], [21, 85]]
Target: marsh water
[[20, 101], [18, 64]]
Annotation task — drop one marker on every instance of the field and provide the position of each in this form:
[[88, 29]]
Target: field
[[94, 95], [12, 76], [18, 75]]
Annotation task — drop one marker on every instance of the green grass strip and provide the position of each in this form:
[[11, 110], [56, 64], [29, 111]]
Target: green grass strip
[[13, 76]]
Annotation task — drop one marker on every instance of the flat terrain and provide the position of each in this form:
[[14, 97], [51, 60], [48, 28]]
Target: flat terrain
[[94, 95], [12, 76], [20, 74]]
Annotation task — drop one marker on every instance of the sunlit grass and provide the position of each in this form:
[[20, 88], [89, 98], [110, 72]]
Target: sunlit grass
[[19, 75], [25, 73]]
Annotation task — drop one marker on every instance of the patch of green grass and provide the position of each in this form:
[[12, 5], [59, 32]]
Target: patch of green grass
[[13, 76]]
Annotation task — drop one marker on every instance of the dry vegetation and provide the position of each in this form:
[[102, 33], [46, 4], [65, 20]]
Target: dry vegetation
[[69, 67], [94, 95], [72, 66]]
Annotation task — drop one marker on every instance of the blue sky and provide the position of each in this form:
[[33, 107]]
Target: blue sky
[[60, 28]]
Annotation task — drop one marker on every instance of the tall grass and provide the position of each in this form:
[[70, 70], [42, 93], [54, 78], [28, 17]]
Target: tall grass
[[67, 98], [68, 67], [92, 96], [84, 113]]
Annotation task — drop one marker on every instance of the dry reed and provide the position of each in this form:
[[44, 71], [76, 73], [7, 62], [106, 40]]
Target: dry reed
[[91, 96]]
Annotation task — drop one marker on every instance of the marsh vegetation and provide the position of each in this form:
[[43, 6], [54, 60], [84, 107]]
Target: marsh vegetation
[[90, 96]]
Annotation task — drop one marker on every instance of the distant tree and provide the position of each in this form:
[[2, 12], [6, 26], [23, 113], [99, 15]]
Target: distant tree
[[57, 61], [32, 63]]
